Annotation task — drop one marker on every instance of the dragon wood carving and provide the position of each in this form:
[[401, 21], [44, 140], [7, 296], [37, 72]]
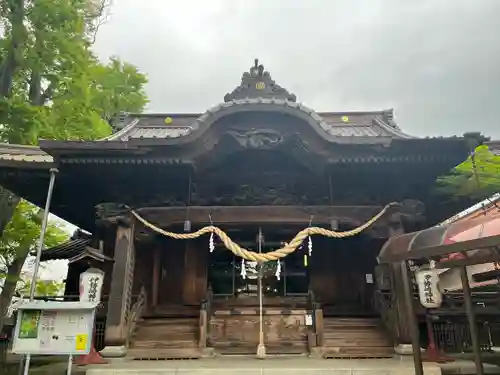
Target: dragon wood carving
[[257, 139]]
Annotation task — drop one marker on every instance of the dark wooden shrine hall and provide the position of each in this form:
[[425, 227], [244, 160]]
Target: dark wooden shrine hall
[[258, 162]]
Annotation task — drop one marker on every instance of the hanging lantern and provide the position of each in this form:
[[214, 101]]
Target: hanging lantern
[[91, 285], [428, 291]]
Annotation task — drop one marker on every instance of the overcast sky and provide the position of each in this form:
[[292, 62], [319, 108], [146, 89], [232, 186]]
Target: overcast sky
[[436, 62]]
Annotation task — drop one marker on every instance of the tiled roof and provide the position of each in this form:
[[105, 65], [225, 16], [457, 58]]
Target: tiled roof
[[338, 124], [18, 153], [170, 126], [494, 147], [66, 250]]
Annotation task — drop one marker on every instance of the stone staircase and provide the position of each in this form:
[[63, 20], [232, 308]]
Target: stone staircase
[[355, 338], [165, 338]]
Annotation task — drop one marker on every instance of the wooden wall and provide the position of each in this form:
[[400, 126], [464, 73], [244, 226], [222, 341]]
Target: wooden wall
[[183, 271], [338, 269]]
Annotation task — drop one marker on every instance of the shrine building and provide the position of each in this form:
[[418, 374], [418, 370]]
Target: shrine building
[[260, 166]]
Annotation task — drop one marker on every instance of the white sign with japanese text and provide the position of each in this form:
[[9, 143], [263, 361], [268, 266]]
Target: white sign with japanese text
[[429, 293], [91, 282]]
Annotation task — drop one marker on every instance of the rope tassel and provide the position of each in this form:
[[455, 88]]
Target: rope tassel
[[243, 269], [211, 244], [309, 246], [278, 270]]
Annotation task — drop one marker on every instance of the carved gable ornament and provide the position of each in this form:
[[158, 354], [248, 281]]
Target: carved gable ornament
[[258, 83]]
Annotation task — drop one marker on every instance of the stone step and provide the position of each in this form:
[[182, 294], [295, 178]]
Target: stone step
[[352, 342], [354, 334], [357, 352], [241, 348], [158, 344], [350, 322], [163, 354], [183, 330], [168, 321]]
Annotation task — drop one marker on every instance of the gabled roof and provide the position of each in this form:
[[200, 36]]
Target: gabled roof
[[256, 92], [11, 155], [336, 124], [494, 147]]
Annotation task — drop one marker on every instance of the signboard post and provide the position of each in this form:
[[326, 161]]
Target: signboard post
[[54, 328]]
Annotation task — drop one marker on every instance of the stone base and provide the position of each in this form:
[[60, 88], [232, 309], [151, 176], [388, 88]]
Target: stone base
[[316, 352], [114, 352], [208, 353], [403, 349]]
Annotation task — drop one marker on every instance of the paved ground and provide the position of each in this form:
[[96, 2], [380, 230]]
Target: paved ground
[[252, 366], [270, 366]]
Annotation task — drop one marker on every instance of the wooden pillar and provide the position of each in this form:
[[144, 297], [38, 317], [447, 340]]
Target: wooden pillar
[[72, 283], [156, 276], [471, 318], [402, 327], [195, 272], [115, 338]]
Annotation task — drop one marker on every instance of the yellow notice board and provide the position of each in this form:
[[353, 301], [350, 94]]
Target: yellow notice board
[[54, 328], [81, 342]]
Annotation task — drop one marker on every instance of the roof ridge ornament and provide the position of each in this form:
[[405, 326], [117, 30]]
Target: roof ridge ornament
[[257, 83]]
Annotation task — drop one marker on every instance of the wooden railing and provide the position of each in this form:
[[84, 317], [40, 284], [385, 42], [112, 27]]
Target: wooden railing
[[138, 305], [315, 337], [386, 307], [205, 316], [449, 325]]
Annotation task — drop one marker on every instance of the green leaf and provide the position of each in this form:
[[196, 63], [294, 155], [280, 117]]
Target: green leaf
[[476, 178]]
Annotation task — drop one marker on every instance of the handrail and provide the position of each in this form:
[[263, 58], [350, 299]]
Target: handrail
[[205, 315], [317, 320], [135, 313], [385, 306]]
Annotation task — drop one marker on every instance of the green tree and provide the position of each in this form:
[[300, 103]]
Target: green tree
[[43, 288], [51, 84], [18, 240], [476, 178]]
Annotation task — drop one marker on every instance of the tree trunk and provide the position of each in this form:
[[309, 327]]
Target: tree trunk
[[8, 203], [9, 287], [10, 63]]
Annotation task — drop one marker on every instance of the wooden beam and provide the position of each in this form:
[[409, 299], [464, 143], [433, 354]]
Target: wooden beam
[[486, 276], [165, 216], [441, 250], [470, 261]]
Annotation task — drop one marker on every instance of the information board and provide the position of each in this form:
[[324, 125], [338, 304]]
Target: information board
[[54, 328]]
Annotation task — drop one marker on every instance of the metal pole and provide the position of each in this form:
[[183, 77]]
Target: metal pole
[[53, 172], [472, 321], [410, 310], [70, 364], [261, 348]]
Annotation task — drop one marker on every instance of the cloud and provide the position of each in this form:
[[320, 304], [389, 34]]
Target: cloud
[[435, 62]]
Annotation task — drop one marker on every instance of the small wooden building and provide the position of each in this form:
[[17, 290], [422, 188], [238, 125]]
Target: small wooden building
[[259, 162]]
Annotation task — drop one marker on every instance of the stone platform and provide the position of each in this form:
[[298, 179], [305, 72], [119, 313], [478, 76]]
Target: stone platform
[[269, 366]]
